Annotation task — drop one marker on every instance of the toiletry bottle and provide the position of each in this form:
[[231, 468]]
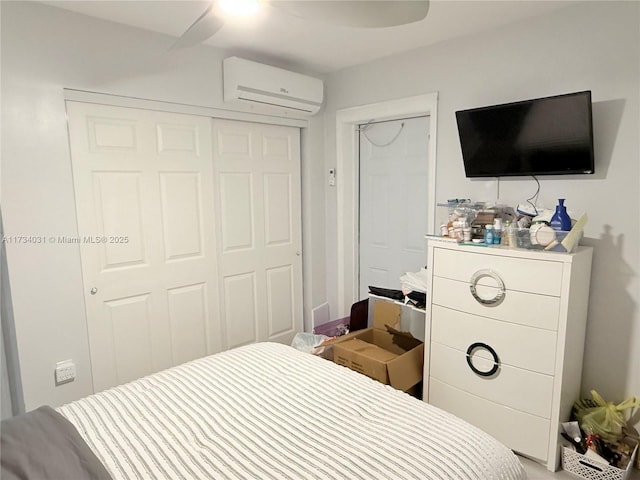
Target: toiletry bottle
[[466, 233], [561, 220], [505, 233], [497, 231], [513, 235], [488, 235]]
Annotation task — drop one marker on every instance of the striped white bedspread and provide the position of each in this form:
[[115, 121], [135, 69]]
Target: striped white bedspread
[[267, 411]]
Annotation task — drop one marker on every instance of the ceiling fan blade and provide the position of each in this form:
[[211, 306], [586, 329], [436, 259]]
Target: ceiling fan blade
[[358, 13], [203, 28]]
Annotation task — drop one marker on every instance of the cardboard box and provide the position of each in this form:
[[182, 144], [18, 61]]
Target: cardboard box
[[382, 352]]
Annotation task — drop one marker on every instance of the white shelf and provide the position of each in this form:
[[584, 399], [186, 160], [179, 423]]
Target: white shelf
[[412, 319], [397, 302]]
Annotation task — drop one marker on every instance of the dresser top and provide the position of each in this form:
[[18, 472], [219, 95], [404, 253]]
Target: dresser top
[[505, 251]]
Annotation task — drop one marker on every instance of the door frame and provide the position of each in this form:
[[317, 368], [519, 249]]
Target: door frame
[[397, 153], [172, 107], [347, 215]]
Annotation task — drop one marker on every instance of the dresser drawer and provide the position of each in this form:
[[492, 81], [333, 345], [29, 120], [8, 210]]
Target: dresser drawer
[[519, 431], [534, 310], [516, 345], [512, 387], [521, 274]]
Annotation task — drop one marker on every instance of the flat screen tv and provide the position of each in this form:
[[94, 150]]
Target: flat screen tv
[[543, 136]]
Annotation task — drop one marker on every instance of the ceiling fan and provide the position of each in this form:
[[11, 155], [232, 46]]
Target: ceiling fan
[[346, 13]]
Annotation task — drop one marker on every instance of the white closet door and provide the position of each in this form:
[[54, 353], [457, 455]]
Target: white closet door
[[257, 170], [393, 201], [144, 195]]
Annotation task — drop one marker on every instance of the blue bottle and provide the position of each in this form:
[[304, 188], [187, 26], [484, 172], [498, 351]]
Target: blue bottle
[[488, 235], [561, 220]]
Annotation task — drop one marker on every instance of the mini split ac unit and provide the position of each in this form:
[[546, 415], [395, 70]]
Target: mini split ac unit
[[264, 84]]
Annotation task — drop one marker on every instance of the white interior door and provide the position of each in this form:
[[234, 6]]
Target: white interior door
[[144, 195], [393, 201], [257, 170]]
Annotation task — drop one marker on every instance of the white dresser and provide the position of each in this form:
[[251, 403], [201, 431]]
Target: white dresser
[[506, 332]]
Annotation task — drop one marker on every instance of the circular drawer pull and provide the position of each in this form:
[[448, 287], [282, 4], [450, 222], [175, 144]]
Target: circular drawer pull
[[496, 360], [475, 278]]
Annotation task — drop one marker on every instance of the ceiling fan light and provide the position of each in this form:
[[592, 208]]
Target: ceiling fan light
[[239, 8]]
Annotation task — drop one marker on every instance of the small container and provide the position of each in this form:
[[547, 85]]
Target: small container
[[497, 231], [513, 236], [457, 227], [497, 236], [444, 230], [464, 226], [488, 235], [523, 239], [541, 234], [584, 467], [505, 234]]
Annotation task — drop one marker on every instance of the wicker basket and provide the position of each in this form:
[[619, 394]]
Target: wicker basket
[[584, 467]]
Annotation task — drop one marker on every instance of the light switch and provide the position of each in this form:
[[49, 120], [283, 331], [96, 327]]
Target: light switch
[[332, 177]]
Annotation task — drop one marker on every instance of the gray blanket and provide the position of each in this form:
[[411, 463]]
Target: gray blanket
[[43, 445]]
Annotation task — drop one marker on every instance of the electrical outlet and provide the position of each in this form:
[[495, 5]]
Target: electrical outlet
[[65, 372]]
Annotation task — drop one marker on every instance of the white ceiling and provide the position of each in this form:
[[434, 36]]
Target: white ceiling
[[309, 44]]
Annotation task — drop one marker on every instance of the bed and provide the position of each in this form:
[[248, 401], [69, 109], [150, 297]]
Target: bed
[[268, 411]]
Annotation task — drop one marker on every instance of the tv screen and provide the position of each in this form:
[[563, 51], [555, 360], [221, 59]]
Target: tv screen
[[543, 136]]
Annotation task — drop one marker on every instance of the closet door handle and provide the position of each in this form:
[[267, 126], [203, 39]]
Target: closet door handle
[[492, 302], [496, 360]]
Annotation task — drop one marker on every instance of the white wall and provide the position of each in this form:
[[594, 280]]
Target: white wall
[[588, 46], [44, 50]]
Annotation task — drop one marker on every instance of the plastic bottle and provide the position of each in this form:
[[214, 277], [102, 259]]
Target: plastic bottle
[[513, 236], [561, 221], [488, 235], [497, 231], [506, 239]]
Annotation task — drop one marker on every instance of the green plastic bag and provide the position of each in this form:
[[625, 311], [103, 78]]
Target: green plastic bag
[[604, 418]]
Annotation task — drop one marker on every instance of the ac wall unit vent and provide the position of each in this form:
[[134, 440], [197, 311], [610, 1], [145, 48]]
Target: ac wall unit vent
[[258, 83]]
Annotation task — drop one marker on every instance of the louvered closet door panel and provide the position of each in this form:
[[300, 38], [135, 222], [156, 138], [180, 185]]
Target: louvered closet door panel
[[257, 171]]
